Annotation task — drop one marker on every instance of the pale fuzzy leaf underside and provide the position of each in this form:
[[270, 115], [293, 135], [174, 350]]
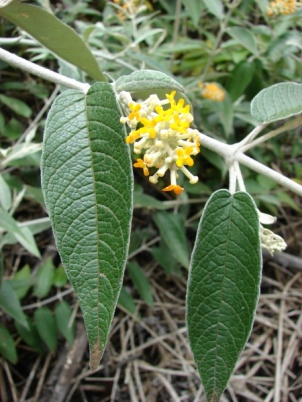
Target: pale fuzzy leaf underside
[[53, 34], [223, 287], [277, 102], [87, 185], [146, 80]]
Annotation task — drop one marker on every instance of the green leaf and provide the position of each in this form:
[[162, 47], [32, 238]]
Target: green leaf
[[44, 278], [60, 277], [214, 7], [87, 185], [21, 281], [146, 80], [5, 194], [1, 267], [30, 335], [24, 237], [165, 259], [46, 327], [236, 87], [245, 37], [194, 9], [10, 303], [16, 105], [63, 314], [141, 200], [141, 283], [277, 102], [223, 287], [126, 301], [172, 230], [7, 345], [54, 35]]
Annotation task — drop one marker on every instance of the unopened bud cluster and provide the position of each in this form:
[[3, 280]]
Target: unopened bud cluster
[[160, 129]]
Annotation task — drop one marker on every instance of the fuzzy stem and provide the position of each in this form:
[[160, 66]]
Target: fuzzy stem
[[42, 72], [232, 153], [290, 125], [268, 172]]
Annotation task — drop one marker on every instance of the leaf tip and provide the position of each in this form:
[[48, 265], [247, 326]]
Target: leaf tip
[[95, 356], [214, 397]]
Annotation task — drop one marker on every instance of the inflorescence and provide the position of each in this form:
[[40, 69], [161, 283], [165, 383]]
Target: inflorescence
[[161, 130], [283, 7], [210, 90]]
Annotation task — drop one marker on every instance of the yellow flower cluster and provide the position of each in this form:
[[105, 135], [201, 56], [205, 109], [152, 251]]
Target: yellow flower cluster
[[281, 7], [161, 129], [129, 8], [212, 91]]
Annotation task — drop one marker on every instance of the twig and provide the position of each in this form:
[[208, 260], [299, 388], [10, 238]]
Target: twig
[[42, 72], [168, 387], [11, 381], [49, 300], [232, 153], [72, 363], [290, 125], [42, 378], [30, 379]]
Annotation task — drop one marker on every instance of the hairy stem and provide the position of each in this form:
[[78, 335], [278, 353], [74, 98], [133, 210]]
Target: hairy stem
[[290, 125], [42, 72], [233, 153]]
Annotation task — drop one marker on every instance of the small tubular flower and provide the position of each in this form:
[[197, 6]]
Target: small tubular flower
[[160, 130], [283, 7], [212, 91], [141, 164]]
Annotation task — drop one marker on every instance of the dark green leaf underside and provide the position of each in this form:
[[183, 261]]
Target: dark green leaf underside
[[87, 183], [223, 287]]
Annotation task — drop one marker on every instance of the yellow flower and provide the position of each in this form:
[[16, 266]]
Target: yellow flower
[[283, 7], [212, 91], [161, 130], [135, 108], [184, 157], [179, 125]]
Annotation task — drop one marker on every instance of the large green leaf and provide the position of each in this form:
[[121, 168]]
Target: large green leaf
[[53, 34], [223, 287], [277, 102], [87, 184]]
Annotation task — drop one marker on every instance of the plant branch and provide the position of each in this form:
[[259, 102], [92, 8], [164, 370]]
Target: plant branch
[[290, 125], [42, 72], [233, 153], [268, 172]]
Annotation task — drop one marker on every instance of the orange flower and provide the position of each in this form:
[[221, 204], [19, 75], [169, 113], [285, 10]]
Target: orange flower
[[174, 187], [141, 164]]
